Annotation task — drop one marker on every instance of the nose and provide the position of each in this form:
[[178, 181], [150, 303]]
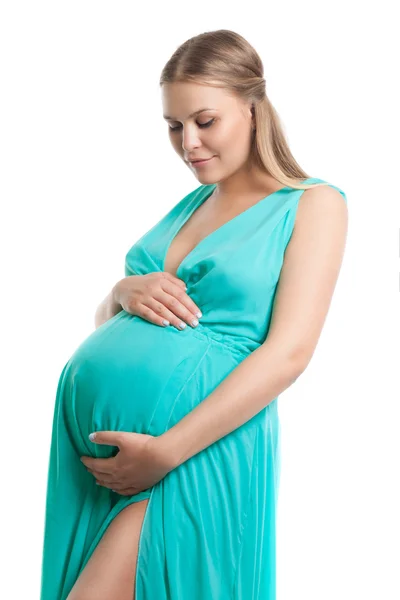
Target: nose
[[190, 139]]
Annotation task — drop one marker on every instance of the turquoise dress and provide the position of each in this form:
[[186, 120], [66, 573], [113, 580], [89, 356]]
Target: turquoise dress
[[210, 526]]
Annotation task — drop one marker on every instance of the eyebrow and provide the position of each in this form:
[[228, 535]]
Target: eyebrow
[[196, 112]]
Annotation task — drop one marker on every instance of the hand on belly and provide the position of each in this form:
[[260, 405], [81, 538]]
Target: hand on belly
[[140, 463]]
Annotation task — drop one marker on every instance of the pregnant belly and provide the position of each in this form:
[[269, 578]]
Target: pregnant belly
[[132, 375]]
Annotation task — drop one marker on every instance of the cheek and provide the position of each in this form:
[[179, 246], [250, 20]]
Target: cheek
[[233, 142], [233, 134]]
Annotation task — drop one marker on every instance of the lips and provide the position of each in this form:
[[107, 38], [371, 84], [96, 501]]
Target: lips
[[200, 160]]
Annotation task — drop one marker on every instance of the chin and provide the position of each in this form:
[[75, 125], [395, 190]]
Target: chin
[[205, 179], [205, 176]]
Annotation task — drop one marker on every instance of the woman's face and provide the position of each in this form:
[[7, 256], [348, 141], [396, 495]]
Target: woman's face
[[221, 133]]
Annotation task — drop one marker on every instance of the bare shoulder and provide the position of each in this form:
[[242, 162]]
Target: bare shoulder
[[321, 220], [322, 201]]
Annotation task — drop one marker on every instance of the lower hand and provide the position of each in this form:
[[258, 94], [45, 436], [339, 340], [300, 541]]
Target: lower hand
[[140, 463]]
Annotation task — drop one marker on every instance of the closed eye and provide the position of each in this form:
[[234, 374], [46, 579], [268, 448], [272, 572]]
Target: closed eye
[[201, 125]]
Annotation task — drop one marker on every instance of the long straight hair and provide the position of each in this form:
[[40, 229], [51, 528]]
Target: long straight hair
[[225, 59]]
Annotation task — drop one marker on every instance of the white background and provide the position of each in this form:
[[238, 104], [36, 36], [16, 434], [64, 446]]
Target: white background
[[87, 168]]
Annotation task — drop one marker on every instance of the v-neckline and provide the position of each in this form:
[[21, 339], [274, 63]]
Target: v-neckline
[[201, 200]]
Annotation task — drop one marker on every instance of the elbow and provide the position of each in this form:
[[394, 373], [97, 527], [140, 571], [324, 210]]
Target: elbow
[[299, 359], [291, 359]]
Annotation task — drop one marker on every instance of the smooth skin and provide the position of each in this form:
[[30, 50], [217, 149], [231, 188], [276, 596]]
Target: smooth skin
[[111, 570], [308, 277]]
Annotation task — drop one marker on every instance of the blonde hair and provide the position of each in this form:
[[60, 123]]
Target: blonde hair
[[225, 59]]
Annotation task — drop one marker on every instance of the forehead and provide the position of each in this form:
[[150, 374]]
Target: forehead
[[181, 99]]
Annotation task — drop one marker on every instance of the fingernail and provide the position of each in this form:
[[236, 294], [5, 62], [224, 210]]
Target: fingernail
[[165, 322], [182, 325], [195, 322], [198, 314], [92, 436]]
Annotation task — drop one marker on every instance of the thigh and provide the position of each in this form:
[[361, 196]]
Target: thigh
[[111, 570]]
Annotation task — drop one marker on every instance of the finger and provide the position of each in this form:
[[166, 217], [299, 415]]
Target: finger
[[115, 485], [102, 465], [95, 472], [147, 313], [172, 308], [159, 309], [108, 438], [181, 296], [104, 480], [178, 304], [172, 279]]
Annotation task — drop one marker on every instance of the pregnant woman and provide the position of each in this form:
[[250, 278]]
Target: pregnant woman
[[176, 497]]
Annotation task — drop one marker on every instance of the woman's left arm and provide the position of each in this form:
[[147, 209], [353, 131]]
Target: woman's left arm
[[308, 277]]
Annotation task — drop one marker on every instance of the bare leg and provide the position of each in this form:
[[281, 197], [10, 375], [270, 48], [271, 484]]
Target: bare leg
[[111, 570]]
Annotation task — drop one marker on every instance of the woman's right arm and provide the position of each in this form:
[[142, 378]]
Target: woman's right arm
[[107, 309]]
